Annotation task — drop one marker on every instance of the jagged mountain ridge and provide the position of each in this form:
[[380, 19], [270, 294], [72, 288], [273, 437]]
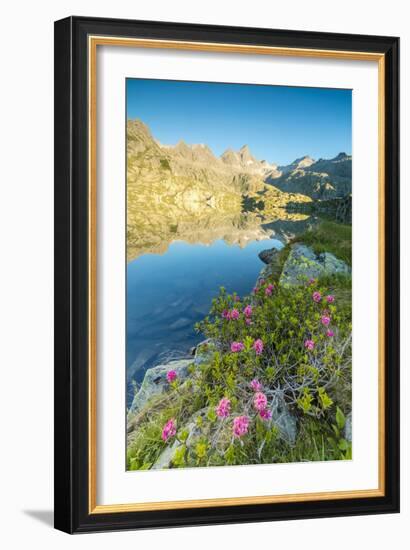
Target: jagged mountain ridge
[[240, 170]]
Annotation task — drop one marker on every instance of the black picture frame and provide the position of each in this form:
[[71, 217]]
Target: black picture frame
[[71, 492]]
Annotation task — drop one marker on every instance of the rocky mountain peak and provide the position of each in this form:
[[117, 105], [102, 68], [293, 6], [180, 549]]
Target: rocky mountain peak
[[137, 128], [244, 150], [305, 161], [342, 156]]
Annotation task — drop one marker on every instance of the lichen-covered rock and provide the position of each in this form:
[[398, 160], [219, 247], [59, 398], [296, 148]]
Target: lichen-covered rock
[[283, 419], [194, 431], [303, 263], [348, 428], [155, 381], [204, 351], [164, 459]]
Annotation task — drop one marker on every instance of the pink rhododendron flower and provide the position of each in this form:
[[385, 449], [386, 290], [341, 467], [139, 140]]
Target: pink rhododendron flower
[[330, 299], [247, 311], [248, 321], [234, 314], [262, 282], [316, 296], [265, 414], [171, 376], [224, 408], [226, 314], [309, 344], [237, 346], [312, 281], [240, 426], [330, 333], [260, 401], [258, 346], [256, 385], [268, 290], [169, 430], [325, 320]]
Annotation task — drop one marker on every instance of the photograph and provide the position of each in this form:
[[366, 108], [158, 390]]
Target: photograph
[[239, 274]]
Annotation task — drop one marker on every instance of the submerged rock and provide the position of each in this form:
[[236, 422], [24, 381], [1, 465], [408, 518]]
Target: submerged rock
[[155, 382], [303, 263]]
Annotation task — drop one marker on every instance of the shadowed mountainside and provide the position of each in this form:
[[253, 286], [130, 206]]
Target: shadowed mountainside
[[323, 179]]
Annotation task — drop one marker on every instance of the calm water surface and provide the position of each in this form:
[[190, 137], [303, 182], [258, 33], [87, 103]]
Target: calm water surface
[[167, 294]]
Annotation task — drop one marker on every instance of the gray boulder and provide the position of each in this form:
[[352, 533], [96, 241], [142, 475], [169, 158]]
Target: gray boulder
[[165, 458], [348, 428], [155, 382], [303, 263], [204, 351], [267, 256], [283, 419], [273, 266]]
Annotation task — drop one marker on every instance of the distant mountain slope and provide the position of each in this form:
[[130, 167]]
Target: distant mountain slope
[[322, 179]]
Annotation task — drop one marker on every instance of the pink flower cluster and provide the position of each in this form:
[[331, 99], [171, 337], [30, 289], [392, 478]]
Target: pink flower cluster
[[258, 346], [269, 289], [240, 426], [224, 408], [171, 376], [234, 314], [316, 296], [330, 333], [330, 299], [236, 347], [325, 320], [265, 414], [260, 401], [312, 281], [256, 385], [169, 430], [309, 344], [230, 315], [247, 311]]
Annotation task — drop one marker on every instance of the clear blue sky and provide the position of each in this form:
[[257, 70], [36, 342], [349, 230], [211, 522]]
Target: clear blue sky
[[279, 123]]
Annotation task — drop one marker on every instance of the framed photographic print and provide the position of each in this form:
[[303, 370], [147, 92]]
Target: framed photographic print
[[226, 274]]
